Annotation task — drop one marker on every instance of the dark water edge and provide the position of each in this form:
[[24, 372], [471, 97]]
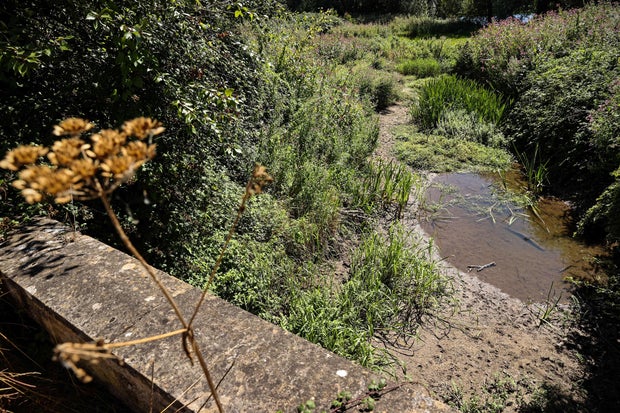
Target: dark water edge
[[475, 220]]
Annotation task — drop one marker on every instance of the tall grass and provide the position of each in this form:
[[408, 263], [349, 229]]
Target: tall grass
[[392, 284], [421, 68], [386, 184], [451, 93]]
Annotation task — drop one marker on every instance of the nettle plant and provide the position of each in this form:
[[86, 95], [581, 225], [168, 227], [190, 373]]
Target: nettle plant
[[80, 167]]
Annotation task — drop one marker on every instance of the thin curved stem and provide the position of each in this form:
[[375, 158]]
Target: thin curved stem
[[231, 232], [128, 244], [188, 333]]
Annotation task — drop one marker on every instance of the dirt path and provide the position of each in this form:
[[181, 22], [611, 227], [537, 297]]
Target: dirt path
[[485, 343]]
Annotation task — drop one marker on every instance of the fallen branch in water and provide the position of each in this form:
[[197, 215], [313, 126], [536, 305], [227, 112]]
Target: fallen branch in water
[[479, 268]]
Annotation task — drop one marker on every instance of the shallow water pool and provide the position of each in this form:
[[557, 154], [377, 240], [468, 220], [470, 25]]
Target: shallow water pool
[[475, 221]]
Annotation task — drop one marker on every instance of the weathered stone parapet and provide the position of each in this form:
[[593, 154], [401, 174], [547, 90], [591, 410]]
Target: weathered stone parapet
[[80, 290]]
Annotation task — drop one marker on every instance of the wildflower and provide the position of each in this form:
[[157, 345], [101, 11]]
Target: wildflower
[[72, 126], [142, 127], [22, 155]]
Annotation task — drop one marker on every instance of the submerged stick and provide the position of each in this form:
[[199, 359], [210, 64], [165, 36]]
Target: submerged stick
[[526, 238], [479, 268]]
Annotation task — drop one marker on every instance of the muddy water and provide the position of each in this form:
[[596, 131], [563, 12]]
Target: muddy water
[[475, 223]]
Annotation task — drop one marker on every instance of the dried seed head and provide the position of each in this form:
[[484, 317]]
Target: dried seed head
[[107, 143], [37, 180], [80, 170], [142, 127], [22, 155], [72, 127], [260, 177], [139, 150], [65, 151], [83, 169], [118, 166]]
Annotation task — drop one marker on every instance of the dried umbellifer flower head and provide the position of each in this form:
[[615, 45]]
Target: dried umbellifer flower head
[[106, 143], [72, 127], [65, 151], [260, 177], [22, 155], [142, 127], [81, 170]]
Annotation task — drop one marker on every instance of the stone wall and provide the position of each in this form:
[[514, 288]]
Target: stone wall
[[81, 290]]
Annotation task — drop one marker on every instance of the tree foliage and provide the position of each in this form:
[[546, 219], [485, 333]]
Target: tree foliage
[[181, 62], [489, 9]]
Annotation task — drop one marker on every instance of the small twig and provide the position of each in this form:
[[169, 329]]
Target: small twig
[[479, 268]]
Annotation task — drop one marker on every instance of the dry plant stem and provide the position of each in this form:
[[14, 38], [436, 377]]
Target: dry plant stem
[[135, 253], [210, 381], [231, 232], [144, 340], [187, 331]]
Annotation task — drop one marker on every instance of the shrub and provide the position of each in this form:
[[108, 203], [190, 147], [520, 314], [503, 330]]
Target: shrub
[[604, 216], [110, 61], [379, 88], [420, 67], [557, 125], [503, 52]]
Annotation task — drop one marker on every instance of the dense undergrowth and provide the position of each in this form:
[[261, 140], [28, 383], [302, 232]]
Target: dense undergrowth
[[562, 71], [299, 93], [233, 85]]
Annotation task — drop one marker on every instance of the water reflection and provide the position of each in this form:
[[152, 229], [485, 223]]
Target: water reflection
[[475, 222]]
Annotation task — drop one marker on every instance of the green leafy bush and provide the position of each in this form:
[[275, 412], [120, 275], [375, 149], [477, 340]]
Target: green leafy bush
[[172, 61], [360, 6], [604, 216], [504, 52], [379, 88], [557, 125]]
